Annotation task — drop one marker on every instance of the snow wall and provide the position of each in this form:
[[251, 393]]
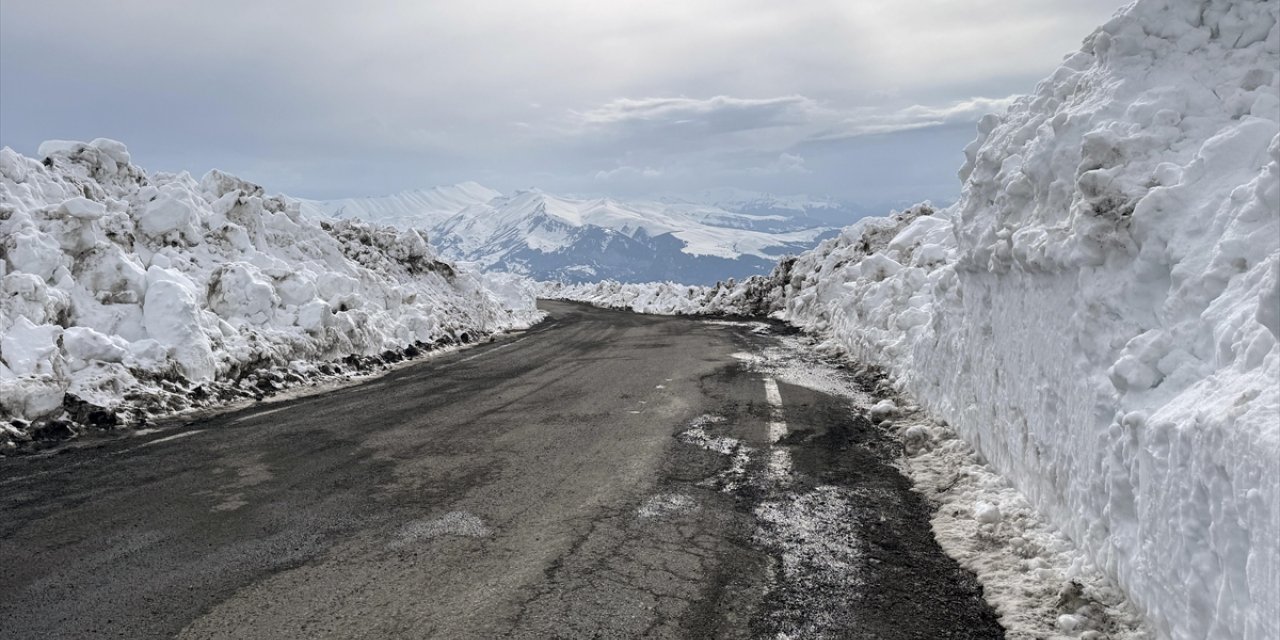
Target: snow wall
[[1099, 313], [113, 282]]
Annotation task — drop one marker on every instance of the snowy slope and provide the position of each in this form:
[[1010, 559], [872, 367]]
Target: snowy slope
[[418, 208], [117, 287], [1099, 314]]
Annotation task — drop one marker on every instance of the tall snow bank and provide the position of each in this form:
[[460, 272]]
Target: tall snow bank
[[1099, 314], [112, 279]]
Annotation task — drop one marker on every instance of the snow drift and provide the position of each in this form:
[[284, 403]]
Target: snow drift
[[1099, 313], [113, 281]]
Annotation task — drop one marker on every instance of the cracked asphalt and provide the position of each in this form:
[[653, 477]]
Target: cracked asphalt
[[603, 475]]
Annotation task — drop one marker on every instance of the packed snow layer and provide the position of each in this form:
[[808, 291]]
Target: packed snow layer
[[1098, 315], [113, 280]]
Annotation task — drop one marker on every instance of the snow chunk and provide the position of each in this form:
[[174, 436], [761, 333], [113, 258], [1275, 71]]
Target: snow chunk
[[238, 290], [987, 513], [883, 410], [31, 251], [31, 397], [83, 208], [171, 217], [31, 349], [85, 344], [171, 315]]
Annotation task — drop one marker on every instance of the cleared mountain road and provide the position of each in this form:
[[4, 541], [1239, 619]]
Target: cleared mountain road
[[603, 475]]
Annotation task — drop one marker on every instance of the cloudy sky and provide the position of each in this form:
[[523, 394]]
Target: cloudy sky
[[864, 99]]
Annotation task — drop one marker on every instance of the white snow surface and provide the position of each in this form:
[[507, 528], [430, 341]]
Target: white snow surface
[[1099, 314], [112, 280]]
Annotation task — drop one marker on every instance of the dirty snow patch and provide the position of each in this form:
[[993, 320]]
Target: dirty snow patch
[[1034, 577], [454, 523], [666, 504], [755, 327], [697, 435], [815, 536], [730, 479]]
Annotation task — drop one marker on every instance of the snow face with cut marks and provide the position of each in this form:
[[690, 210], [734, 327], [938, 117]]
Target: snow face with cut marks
[[114, 282], [1101, 322]]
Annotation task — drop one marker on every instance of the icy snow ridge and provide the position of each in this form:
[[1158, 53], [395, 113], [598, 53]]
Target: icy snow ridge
[[112, 280]]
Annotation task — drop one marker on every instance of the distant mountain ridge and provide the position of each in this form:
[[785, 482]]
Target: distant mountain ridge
[[695, 239], [421, 208]]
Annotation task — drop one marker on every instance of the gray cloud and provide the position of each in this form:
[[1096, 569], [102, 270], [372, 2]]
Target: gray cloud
[[727, 112], [780, 121], [735, 138], [324, 98], [917, 116]]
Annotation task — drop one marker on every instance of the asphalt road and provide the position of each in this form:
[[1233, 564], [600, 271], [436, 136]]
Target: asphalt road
[[603, 475]]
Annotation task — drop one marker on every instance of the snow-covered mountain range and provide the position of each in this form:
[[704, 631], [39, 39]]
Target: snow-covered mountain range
[[698, 239], [419, 208]]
